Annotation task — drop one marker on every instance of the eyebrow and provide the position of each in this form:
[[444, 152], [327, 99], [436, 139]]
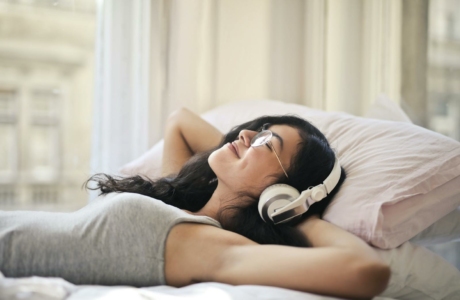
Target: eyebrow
[[279, 138]]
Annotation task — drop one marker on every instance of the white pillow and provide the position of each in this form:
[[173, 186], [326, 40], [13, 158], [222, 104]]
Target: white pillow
[[386, 109], [148, 164], [390, 166]]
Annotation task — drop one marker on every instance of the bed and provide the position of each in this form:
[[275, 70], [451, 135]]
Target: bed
[[36, 288], [430, 202]]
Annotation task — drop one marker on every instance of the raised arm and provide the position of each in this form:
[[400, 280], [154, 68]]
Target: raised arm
[[339, 264], [186, 133]]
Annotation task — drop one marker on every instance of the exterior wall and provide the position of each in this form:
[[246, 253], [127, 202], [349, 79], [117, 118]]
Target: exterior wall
[[46, 91], [444, 67]]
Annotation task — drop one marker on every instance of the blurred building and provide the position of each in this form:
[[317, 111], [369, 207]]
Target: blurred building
[[443, 73], [46, 92]]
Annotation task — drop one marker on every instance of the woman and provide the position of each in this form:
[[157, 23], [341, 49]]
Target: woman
[[220, 183], [226, 186]]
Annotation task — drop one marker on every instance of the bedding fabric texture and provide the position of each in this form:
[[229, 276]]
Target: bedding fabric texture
[[401, 178], [443, 231], [419, 274], [39, 288], [117, 239]]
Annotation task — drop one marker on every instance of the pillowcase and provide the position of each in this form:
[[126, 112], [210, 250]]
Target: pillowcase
[[447, 229], [147, 165], [390, 166]]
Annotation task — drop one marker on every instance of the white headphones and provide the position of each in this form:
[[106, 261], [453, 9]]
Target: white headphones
[[280, 203]]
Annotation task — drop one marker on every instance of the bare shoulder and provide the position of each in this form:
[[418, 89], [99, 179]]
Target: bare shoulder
[[193, 250]]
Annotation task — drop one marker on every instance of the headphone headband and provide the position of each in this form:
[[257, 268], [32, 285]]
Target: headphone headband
[[331, 181]]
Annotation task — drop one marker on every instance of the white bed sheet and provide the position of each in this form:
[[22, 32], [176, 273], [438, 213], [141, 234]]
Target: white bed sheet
[[40, 288]]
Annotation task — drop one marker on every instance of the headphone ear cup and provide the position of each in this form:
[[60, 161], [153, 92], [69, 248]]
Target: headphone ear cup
[[275, 197]]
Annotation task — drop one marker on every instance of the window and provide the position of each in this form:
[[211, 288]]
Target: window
[[44, 135], [8, 132]]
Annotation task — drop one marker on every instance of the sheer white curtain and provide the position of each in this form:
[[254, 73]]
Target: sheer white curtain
[[157, 55], [122, 90]]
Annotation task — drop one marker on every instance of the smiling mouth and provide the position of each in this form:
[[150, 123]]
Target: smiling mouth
[[233, 148]]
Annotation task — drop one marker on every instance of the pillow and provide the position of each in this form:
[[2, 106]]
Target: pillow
[[447, 229], [148, 164], [390, 167], [386, 109]]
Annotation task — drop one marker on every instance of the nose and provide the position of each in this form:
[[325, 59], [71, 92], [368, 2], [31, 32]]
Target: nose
[[246, 136]]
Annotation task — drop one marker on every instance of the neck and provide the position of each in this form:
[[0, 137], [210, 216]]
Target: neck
[[220, 195]]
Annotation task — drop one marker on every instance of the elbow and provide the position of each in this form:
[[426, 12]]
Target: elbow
[[176, 119], [177, 114], [375, 276]]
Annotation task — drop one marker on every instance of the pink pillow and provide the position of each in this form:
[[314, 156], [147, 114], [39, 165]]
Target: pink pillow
[[390, 166]]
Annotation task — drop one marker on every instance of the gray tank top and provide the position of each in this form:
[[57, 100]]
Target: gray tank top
[[118, 239]]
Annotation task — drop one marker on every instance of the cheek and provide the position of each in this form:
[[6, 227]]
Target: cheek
[[218, 161], [252, 171], [212, 160], [257, 168]]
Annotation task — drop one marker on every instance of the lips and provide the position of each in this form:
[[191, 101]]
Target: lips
[[234, 148]]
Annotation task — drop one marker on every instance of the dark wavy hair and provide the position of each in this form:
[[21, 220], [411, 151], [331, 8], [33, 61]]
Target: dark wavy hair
[[193, 186]]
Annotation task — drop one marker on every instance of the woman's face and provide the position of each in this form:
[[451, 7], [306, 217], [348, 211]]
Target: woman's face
[[251, 169]]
